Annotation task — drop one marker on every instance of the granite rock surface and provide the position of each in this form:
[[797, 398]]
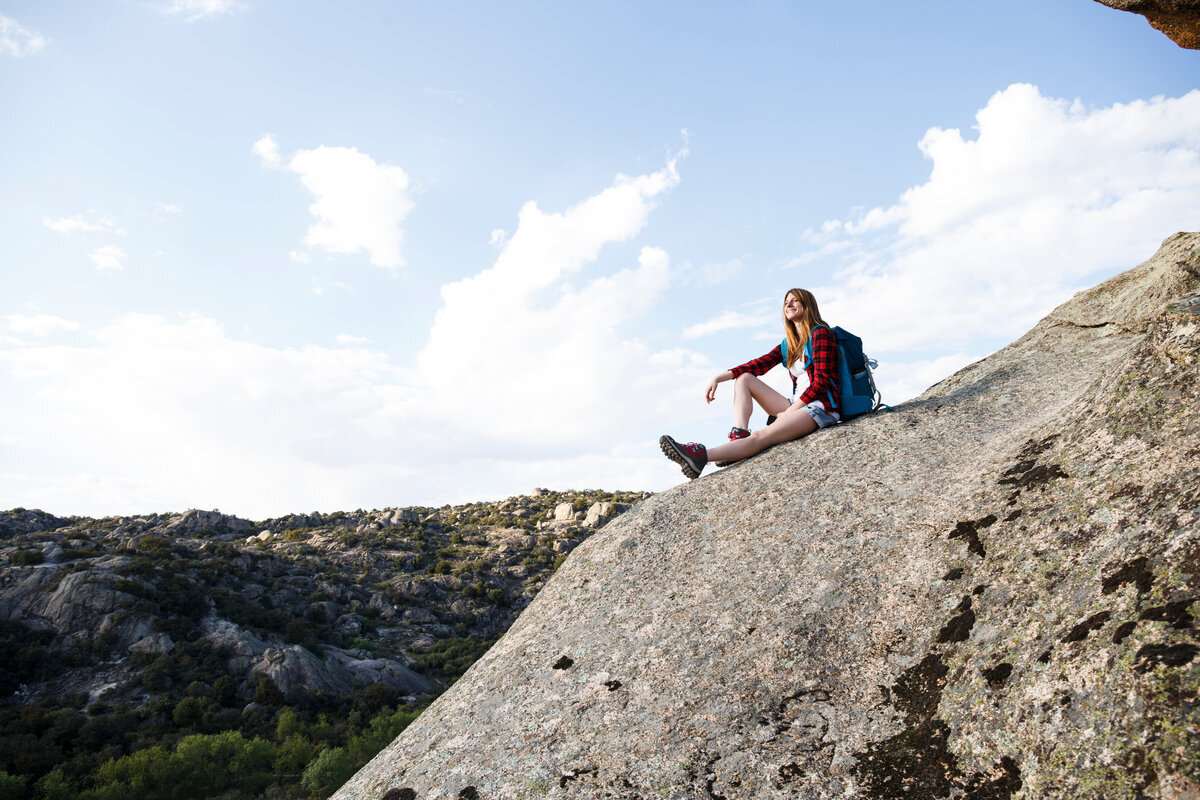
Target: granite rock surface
[[989, 592]]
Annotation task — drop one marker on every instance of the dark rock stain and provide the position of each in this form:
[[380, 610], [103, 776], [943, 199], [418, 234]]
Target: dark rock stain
[[1126, 490], [915, 762], [958, 629], [1175, 655], [1035, 447], [953, 574], [789, 773], [969, 530], [1178, 614], [710, 779], [1136, 572], [399, 794], [468, 793], [1044, 658], [996, 676], [1000, 787], [574, 775], [1123, 630], [1081, 631], [613, 685], [566, 662], [1032, 476]]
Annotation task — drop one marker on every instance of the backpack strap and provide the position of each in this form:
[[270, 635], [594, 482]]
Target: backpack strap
[[808, 354]]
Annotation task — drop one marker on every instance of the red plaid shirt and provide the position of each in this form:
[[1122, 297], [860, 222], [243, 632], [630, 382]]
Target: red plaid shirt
[[822, 369]]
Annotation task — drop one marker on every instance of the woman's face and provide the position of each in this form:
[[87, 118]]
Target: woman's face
[[793, 309]]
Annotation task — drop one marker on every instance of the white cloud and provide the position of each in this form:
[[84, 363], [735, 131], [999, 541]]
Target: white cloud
[[348, 339], [459, 96], [107, 257], [166, 208], [529, 378], [711, 274], [359, 204], [1049, 197], [727, 321], [92, 222], [195, 10], [37, 324], [523, 334], [268, 151], [17, 40]]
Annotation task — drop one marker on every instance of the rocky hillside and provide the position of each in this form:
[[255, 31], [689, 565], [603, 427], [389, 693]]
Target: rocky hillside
[[204, 621], [988, 593]]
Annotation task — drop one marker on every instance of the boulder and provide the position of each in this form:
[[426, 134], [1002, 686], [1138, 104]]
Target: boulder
[[79, 605], [992, 594], [564, 512], [155, 643], [383, 670], [194, 521], [294, 668], [600, 513], [1178, 19], [240, 647]]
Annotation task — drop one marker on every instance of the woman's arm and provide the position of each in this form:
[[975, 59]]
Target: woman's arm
[[756, 366]]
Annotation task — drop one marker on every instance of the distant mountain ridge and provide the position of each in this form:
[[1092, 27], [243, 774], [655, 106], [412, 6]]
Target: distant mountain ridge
[[988, 593], [201, 622]]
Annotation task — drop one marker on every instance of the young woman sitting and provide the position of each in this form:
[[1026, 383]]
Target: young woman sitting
[[817, 407]]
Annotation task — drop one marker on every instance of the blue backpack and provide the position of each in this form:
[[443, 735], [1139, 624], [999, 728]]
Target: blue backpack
[[855, 381]]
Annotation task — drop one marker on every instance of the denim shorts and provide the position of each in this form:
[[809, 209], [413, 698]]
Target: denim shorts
[[816, 410]]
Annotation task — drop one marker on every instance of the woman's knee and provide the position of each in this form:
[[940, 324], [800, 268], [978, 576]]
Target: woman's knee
[[743, 380]]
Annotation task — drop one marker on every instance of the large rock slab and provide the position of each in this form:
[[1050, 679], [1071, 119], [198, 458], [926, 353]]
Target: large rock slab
[[1178, 19], [988, 593]]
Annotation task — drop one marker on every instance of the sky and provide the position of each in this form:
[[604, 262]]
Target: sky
[[275, 256]]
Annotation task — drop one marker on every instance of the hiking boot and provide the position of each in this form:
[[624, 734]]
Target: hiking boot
[[691, 456], [735, 433]]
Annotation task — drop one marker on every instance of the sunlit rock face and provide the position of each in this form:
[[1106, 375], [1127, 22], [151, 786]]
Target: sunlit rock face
[[1178, 19], [986, 593]]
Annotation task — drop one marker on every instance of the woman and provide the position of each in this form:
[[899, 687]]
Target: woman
[[817, 407]]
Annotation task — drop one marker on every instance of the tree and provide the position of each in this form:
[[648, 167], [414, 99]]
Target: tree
[[266, 692], [224, 691], [54, 786], [12, 787], [189, 711], [328, 771]]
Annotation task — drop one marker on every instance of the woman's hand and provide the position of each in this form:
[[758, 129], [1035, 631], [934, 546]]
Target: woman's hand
[[710, 394]]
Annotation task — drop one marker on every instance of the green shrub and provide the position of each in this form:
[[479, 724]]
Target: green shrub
[[54, 786], [328, 771], [12, 787], [189, 711], [294, 753], [224, 691], [27, 558], [266, 692]]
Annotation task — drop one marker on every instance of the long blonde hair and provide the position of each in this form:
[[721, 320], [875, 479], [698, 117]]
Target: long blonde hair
[[797, 335]]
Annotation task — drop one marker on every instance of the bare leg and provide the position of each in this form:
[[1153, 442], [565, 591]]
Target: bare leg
[[790, 424], [748, 388]]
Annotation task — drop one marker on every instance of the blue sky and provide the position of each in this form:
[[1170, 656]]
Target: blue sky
[[281, 256]]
